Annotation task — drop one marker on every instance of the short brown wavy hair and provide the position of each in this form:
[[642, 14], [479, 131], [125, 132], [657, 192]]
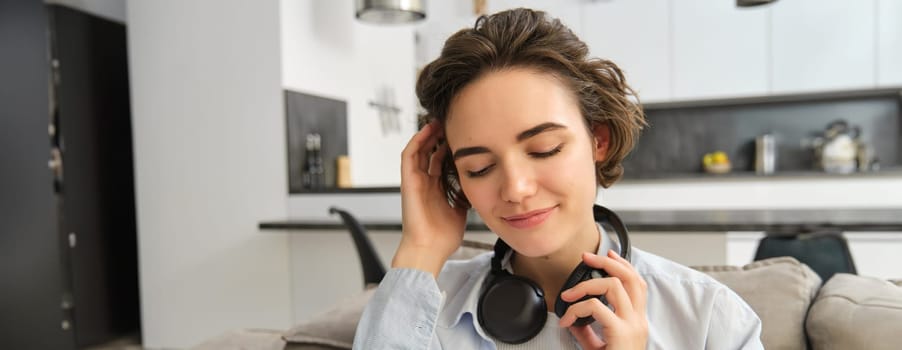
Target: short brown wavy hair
[[524, 38]]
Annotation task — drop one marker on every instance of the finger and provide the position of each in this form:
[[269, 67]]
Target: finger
[[617, 267], [410, 160], [610, 287], [427, 148], [636, 287], [589, 307], [435, 161], [424, 150], [586, 337]]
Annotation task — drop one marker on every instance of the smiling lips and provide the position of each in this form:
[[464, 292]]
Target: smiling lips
[[530, 219]]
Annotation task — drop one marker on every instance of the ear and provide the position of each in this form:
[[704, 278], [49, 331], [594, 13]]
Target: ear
[[601, 140]]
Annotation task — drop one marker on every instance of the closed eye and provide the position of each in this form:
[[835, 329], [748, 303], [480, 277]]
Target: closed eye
[[539, 155], [480, 172], [550, 153]]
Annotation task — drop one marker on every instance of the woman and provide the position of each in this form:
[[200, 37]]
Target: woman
[[522, 128]]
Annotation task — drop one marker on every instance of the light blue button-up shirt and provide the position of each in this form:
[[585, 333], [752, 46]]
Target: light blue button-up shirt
[[686, 310]]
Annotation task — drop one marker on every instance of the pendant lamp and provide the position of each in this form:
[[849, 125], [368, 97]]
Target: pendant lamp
[[391, 11], [750, 3]]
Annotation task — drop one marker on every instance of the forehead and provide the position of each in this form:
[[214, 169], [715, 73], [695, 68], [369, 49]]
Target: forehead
[[504, 103]]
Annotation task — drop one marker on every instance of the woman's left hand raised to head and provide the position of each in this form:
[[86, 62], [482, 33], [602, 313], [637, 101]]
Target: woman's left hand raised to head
[[626, 327]]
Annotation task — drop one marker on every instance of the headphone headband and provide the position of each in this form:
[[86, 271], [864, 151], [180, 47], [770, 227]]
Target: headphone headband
[[501, 248], [512, 308]]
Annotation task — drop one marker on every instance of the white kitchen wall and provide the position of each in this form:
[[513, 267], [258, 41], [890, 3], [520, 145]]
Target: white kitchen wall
[[327, 52], [443, 19], [209, 145]]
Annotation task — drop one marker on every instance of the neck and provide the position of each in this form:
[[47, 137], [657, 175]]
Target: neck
[[551, 271]]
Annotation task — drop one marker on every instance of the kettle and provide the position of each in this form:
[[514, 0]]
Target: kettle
[[836, 150]]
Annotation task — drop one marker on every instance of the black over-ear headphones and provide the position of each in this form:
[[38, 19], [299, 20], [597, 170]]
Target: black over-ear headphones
[[512, 308]]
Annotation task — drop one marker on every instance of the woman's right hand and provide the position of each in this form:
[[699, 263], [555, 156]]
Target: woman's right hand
[[432, 229]]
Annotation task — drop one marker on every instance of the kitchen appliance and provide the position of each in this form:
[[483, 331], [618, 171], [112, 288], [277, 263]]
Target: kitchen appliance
[[765, 154], [836, 151], [865, 157]]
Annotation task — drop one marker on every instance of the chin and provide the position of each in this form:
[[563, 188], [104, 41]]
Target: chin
[[534, 244]]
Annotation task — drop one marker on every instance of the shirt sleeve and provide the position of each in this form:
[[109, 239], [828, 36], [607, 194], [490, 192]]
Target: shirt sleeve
[[733, 324], [402, 313]]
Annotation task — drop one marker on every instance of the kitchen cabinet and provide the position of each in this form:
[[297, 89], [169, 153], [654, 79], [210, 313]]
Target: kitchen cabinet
[[636, 36], [688, 50], [889, 43], [568, 11], [820, 45], [719, 50], [451, 16]]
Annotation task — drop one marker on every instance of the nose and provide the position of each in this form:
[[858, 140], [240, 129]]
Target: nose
[[519, 184]]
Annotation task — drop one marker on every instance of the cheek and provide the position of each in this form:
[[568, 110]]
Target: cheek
[[481, 196], [573, 172]]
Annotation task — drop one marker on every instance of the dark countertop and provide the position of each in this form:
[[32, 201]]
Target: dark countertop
[[714, 221]]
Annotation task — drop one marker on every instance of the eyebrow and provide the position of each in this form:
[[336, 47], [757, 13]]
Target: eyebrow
[[538, 129], [533, 131]]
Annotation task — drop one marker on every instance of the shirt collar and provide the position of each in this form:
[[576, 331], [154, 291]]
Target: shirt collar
[[466, 303]]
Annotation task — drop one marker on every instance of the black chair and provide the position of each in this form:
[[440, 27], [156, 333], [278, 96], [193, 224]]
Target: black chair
[[824, 251], [373, 269]]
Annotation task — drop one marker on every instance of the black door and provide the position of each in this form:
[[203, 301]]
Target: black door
[[98, 202], [32, 278], [68, 243]]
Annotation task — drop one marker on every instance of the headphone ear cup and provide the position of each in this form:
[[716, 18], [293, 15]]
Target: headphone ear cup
[[512, 309], [581, 273]]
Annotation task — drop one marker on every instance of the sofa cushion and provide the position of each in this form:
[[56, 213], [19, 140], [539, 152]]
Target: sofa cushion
[[856, 312], [469, 249], [259, 339], [335, 328], [780, 290], [332, 329]]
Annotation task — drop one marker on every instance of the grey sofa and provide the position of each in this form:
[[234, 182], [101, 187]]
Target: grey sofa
[[796, 309]]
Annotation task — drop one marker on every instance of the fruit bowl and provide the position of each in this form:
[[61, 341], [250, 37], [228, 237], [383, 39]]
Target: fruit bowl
[[717, 168], [716, 162]]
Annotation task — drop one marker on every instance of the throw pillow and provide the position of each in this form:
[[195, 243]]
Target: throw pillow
[[856, 312], [333, 329], [780, 290]]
